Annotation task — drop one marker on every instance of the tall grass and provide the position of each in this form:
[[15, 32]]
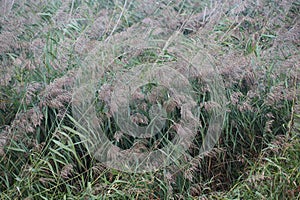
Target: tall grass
[[254, 46]]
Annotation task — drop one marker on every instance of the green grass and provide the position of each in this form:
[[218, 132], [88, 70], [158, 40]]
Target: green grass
[[43, 44]]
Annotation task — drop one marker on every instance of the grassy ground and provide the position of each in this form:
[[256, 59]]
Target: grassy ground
[[253, 46]]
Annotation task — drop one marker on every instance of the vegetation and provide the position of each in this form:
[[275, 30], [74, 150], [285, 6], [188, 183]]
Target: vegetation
[[252, 46]]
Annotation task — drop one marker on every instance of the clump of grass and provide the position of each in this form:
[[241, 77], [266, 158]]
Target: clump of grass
[[273, 176], [255, 46]]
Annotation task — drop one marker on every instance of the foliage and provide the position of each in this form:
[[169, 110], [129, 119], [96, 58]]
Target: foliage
[[254, 45]]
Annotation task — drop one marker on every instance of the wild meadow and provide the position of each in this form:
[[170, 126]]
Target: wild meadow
[[236, 61]]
